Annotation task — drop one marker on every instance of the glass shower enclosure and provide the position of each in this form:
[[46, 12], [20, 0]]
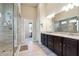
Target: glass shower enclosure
[[7, 29]]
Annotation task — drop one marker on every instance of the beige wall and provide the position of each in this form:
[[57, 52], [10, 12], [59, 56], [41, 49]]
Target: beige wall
[[29, 14], [64, 14], [46, 9], [42, 15]]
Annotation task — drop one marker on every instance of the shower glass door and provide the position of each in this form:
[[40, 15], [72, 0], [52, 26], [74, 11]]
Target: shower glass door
[[6, 29]]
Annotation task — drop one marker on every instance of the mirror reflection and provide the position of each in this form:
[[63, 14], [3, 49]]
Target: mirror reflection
[[68, 25]]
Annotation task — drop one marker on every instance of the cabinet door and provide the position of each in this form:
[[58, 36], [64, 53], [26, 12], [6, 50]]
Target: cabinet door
[[69, 47], [42, 39], [57, 45], [50, 42], [78, 47], [46, 40]]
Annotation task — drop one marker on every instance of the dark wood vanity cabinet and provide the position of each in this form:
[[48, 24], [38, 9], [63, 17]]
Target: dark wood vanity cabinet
[[50, 42], [78, 47], [62, 46], [69, 47], [44, 39], [57, 45]]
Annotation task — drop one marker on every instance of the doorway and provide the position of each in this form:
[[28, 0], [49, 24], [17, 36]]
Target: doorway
[[30, 30]]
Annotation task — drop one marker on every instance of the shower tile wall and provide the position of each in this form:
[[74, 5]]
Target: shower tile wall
[[6, 32]]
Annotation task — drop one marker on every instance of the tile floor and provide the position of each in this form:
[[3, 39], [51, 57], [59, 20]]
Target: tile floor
[[35, 49], [6, 48]]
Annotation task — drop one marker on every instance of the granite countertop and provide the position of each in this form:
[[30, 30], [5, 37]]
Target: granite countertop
[[64, 34]]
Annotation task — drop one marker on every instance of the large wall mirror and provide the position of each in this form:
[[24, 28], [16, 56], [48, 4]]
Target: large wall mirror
[[68, 25]]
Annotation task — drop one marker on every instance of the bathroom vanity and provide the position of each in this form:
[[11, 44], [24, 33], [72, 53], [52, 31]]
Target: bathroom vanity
[[63, 44]]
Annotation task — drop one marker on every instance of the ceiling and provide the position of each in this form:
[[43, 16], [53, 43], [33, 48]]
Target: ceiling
[[30, 4], [50, 7]]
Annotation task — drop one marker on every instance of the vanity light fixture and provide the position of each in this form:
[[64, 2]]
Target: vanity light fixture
[[68, 7], [71, 6], [65, 8]]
